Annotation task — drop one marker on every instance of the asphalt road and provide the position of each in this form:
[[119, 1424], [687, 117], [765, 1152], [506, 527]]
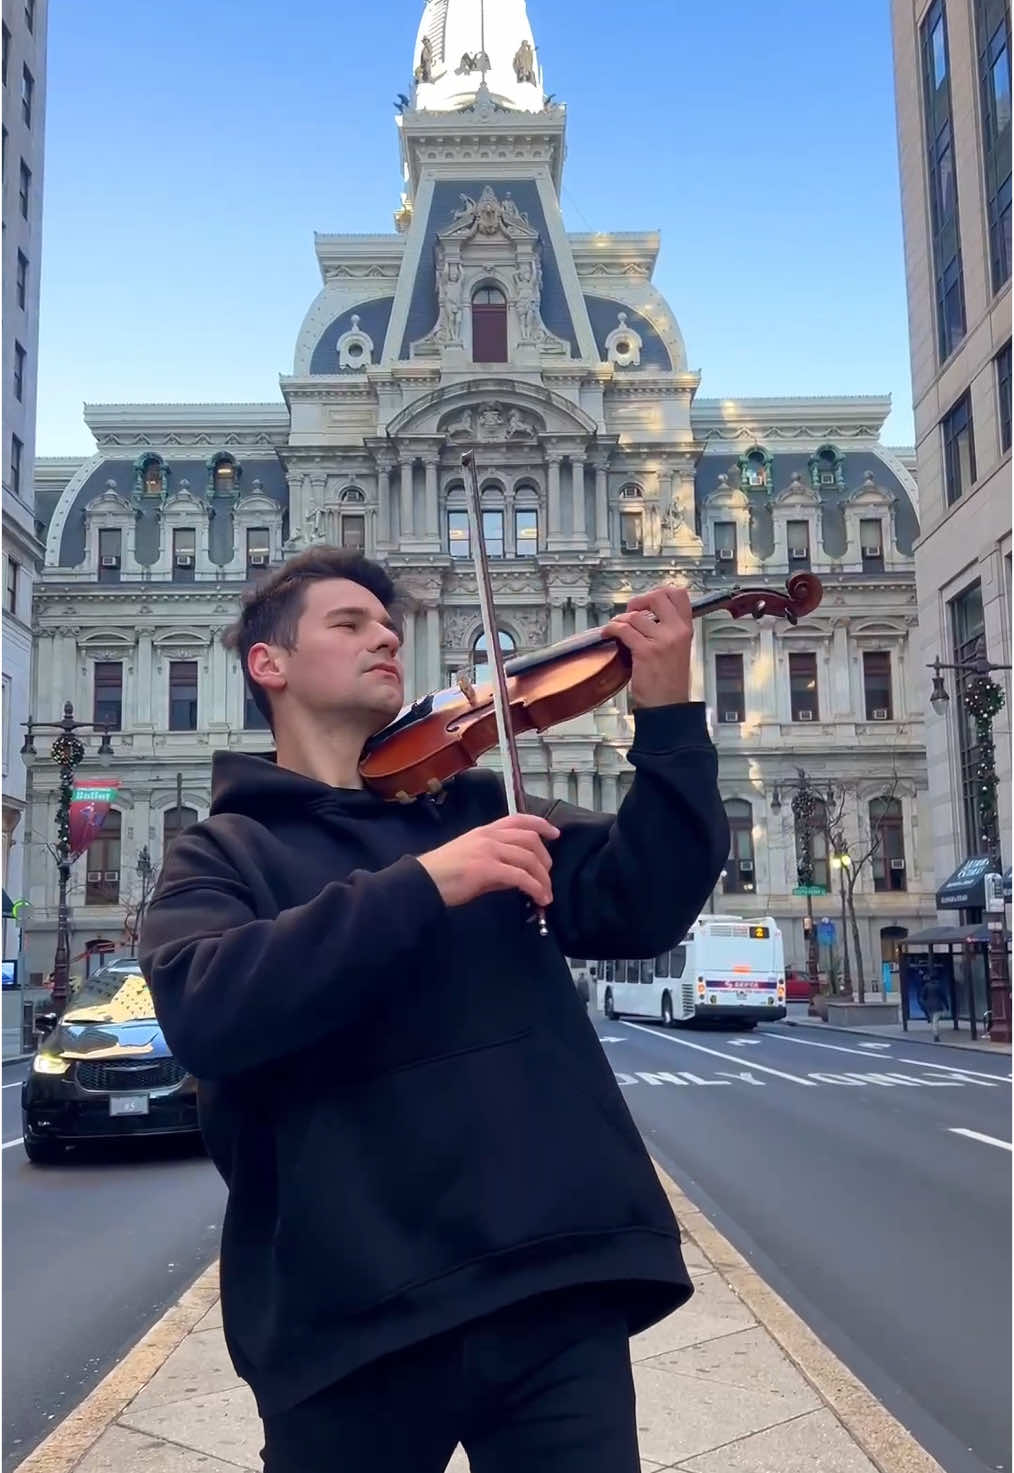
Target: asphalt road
[[834, 1164], [94, 1251]]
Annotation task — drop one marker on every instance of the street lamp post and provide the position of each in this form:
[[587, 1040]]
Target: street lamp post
[[984, 701], [68, 752], [841, 860]]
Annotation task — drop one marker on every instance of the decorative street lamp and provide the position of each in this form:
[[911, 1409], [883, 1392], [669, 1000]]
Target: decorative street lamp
[[804, 810], [68, 753], [984, 700], [841, 860]]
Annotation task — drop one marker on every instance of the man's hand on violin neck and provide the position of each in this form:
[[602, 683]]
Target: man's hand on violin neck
[[509, 854], [657, 628]]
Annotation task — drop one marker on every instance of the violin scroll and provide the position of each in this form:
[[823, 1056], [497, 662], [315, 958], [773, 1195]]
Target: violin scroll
[[803, 592]]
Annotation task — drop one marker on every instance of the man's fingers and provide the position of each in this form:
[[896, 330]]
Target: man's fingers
[[628, 634], [517, 876], [527, 822]]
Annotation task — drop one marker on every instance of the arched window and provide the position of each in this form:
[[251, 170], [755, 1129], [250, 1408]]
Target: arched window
[[102, 877], [632, 518], [489, 325], [174, 821], [739, 872], [526, 521], [755, 470], [224, 475], [480, 650], [353, 519], [152, 476], [889, 859], [818, 872], [826, 467]]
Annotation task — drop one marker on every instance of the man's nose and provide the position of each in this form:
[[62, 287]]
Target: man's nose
[[389, 638]]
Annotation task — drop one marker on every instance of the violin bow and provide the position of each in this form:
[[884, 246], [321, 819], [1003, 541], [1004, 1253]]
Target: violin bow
[[501, 702]]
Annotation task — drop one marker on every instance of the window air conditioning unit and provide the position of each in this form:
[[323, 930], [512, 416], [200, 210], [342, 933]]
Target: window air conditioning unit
[[110, 562], [112, 876], [871, 552], [827, 478], [184, 560], [804, 715], [259, 559], [897, 864], [880, 713], [746, 866], [725, 554], [94, 877], [730, 718], [799, 552]]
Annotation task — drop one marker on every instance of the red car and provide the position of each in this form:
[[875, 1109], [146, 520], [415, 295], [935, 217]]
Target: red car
[[797, 986]]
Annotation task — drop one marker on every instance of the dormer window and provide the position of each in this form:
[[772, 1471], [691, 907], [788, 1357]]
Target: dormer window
[[223, 476], [153, 477], [826, 468], [489, 325]]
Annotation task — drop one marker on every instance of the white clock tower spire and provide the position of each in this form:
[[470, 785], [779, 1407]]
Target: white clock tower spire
[[463, 44]]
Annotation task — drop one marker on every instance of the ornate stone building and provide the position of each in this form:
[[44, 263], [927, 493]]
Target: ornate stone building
[[482, 321]]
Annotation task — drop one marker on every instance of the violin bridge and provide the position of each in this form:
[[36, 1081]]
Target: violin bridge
[[467, 690]]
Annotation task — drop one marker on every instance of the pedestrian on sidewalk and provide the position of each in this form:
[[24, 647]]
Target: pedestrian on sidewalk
[[442, 1222]]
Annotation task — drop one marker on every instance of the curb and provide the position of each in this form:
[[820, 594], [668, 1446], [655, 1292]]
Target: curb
[[17, 1058], [888, 1445], [998, 1050], [67, 1444]]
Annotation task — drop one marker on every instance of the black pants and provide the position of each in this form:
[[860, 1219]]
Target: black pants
[[542, 1387]]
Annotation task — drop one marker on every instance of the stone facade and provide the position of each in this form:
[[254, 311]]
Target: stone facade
[[482, 323]]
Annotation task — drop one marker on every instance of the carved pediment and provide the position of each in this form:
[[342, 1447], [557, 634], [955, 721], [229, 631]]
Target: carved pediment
[[489, 217], [109, 503], [491, 421]]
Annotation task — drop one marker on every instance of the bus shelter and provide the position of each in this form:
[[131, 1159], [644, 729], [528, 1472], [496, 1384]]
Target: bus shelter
[[945, 969]]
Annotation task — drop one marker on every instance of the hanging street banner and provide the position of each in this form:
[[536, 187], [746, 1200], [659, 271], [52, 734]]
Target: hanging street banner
[[88, 809]]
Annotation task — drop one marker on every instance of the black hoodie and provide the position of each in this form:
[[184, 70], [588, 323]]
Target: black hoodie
[[411, 1109]]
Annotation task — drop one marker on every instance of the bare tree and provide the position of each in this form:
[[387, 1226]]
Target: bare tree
[[852, 864]]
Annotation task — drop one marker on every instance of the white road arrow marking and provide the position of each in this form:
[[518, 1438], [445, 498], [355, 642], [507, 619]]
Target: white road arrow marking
[[612, 1040], [744, 1042], [976, 1135]]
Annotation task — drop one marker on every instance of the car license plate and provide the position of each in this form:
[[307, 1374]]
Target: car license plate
[[128, 1105]]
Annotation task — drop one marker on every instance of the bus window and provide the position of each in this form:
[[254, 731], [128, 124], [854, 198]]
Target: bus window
[[630, 971], [679, 961], [610, 971], [647, 972], [662, 965]]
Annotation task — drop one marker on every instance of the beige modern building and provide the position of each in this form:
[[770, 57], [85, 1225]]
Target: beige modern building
[[953, 83]]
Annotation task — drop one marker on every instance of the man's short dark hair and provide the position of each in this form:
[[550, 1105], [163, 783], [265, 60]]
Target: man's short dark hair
[[272, 608]]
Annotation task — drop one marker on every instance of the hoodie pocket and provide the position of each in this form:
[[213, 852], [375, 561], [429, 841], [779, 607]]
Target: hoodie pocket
[[439, 1165]]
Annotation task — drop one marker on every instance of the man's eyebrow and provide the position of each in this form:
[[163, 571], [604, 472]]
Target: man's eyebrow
[[360, 613]]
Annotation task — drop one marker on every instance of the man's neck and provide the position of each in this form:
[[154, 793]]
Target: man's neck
[[327, 757]]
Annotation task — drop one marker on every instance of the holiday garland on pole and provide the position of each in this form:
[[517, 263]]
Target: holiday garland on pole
[[804, 805], [984, 700], [67, 751]]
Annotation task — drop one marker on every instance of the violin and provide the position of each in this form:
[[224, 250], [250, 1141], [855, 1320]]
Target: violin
[[444, 733]]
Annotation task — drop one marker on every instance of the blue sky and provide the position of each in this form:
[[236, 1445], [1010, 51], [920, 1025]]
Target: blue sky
[[193, 149]]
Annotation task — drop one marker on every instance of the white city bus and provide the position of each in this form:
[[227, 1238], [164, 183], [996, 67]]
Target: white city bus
[[726, 968]]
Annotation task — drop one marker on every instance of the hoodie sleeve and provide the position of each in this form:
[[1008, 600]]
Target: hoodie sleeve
[[233, 992], [631, 885]]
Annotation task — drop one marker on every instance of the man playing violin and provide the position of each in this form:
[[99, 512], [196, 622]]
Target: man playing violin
[[442, 1222]]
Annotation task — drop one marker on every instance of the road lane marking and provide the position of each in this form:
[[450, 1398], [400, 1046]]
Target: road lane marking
[[16, 1142], [729, 1058], [16, 1085], [976, 1135], [957, 1069], [841, 1048]]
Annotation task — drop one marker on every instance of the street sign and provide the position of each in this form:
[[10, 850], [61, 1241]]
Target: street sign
[[810, 890], [825, 933]]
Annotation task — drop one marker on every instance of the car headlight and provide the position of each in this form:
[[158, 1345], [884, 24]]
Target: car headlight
[[50, 1064]]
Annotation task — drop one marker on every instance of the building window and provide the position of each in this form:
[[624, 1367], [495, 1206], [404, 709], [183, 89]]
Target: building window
[[489, 326], [803, 686], [871, 544], [492, 533], [183, 695], [24, 189], [992, 32], [526, 532], [480, 651], [152, 477], [6, 52], [110, 554], [877, 685], [739, 870], [968, 630], [754, 470], [223, 476], [354, 531], [19, 372], [459, 540], [102, 877], [1003, 389], [729, 698], [13, 585], [27, 93], [798, 538], [725, 547], [253, 717], [631, 519], [943, 188], [959, 449], [22, 280], [174, 821], [16, 452], [107, 700], [826, 468], [258, 551], [184, 554], [889, 859]]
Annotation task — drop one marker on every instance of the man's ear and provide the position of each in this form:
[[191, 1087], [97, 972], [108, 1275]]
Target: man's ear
[[264, 666]]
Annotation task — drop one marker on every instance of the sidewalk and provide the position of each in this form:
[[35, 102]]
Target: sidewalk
[[733, 1383], [919, 1031]]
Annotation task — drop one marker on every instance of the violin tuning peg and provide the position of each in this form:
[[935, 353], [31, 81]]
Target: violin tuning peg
[[792, 616]]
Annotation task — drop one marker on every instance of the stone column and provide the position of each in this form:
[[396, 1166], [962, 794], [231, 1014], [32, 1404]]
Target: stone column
[[555, 619], [432, 517], [601, 504], [841, 676], [580, 617], [408, 656], [586, 790], [577, 491], [407, 518], [560, 785], [554, 496], [434, 676], [610, 794], [143, 678], [383, 502]]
